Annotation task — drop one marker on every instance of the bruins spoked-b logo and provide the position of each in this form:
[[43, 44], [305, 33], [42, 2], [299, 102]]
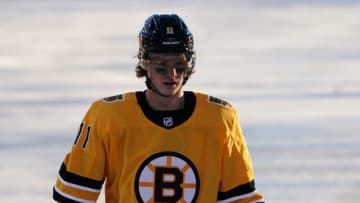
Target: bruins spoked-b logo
[[167, 177]]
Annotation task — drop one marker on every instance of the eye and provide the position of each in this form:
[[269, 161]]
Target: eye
[[160, 70], [180, 69]]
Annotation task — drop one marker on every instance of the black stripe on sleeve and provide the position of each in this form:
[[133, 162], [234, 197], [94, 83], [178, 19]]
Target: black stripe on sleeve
[[79, 180], [239, 190], [59, 198]]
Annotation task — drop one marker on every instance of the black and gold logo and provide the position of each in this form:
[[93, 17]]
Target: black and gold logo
[[167, 177], [115, 98], [218, 101]]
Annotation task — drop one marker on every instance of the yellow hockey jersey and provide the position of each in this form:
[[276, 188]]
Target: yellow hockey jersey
[[196, 154]]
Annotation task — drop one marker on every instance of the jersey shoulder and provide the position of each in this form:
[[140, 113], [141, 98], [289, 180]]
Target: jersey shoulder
[[114, 105], [214, 107], [214, 112], [119, 99], [213, 101], [218, 101], [114, 98]]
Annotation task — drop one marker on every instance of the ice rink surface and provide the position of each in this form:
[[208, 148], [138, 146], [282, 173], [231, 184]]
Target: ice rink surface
[[292, 70]]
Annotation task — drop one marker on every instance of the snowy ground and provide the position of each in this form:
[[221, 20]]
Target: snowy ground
[[291, 70]]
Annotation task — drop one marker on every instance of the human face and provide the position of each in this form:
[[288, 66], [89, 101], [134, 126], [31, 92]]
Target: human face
[[166, 73]]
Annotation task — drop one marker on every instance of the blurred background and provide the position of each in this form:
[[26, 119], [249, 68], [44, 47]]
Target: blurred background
[[291, 68]]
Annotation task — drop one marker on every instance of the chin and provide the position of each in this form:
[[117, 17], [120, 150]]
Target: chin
[[170, 93]]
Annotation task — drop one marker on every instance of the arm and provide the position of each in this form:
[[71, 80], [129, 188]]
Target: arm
[[237, 182], [81, 174]]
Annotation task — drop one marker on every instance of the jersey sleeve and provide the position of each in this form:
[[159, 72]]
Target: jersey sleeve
[[237, 180], [81, 174]]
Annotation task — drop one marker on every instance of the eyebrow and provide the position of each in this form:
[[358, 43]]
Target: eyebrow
[[164, 62], [159, 61]]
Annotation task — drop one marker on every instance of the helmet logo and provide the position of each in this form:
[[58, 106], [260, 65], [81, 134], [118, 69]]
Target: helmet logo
[[169, 30]]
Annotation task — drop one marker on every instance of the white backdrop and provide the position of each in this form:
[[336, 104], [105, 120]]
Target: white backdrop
[[291, 70]]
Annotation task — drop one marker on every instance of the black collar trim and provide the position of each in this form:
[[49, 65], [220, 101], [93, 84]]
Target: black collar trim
[[168, 119]]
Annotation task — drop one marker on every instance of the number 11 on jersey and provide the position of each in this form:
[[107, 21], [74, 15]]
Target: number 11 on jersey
[[86, 140]]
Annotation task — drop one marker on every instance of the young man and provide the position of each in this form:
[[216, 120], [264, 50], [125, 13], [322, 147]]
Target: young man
[[161, 144]]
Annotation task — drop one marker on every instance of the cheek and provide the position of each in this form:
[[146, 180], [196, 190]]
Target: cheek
[[183, 76], [150, 74], [153, 77]]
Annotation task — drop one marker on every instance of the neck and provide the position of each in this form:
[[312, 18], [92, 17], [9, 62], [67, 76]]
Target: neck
[[161, 103]]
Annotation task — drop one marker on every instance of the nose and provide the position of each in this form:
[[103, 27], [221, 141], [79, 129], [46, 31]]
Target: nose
[[172, 72]]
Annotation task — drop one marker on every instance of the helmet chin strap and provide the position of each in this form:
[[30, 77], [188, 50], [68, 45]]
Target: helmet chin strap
[[150, 86]]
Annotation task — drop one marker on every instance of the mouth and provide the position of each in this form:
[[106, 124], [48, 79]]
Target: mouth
[[170, 83]]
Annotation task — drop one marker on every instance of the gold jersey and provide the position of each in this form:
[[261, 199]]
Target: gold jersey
[[197, 154]]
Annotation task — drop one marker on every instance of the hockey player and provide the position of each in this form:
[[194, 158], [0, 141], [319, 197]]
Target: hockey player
[[162, 144]]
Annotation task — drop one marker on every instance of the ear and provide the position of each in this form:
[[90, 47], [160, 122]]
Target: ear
[[146, 70], [142, 64]]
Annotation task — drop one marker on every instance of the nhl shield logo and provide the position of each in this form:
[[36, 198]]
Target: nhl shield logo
[[168, 121]]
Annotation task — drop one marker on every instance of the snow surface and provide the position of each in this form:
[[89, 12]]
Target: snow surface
[[291, 68]]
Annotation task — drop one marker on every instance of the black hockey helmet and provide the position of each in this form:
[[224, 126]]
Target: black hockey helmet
[[166, 33]]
